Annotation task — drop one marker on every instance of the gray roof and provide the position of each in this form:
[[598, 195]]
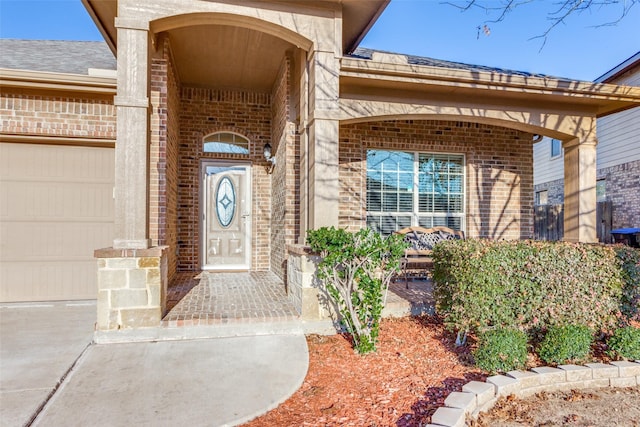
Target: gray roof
[[77, 57], [365, 53], [60, 56]]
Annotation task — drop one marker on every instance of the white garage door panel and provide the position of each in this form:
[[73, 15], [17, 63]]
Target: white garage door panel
[[52, 241], [56, 209], [48, 280]]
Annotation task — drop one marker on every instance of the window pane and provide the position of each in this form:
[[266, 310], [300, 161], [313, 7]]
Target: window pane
[[440, 203], [440, 221], [426, 203], [373, 222], [455, 184], [425, 221], [389, 202], [405, 202], [454, 222], [391, 180], [601, 190], [556, 147], [389, 160], [387, 225], [374, 180], [456, 166], [403, 222], [405, 181], [374, 202], [455, 203], [227, 143]]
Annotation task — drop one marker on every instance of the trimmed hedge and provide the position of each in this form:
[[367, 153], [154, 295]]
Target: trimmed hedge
[[568, 343], [482, 284], [625, 343], [501, 350], [630, 260]]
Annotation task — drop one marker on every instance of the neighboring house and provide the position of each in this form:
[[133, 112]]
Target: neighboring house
[[240, 126], [618, 156]]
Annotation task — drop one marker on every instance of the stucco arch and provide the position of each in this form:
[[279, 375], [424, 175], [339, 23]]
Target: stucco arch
[[563, 126], [216, 18]]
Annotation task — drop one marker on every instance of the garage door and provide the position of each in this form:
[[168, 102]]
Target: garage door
[[56, 208]]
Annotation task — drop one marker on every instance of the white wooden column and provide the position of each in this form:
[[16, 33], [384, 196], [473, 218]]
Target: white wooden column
[[580, 190], [323, 133], [132, 137]]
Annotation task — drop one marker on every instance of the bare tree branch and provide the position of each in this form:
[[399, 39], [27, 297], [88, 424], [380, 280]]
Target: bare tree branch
[[564, 9]]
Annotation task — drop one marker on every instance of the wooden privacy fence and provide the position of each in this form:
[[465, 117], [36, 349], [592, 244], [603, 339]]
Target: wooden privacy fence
[[549, 222]]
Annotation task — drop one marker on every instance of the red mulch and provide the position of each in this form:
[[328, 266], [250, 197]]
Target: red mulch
[[414, 369]]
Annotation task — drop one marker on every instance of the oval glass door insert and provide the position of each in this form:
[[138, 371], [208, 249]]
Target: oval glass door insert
[[225, 202]]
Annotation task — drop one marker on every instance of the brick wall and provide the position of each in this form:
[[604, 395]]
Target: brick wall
[[28, 112], [163, 154], [205, 111], [555, 191], [622, 188], [284, 190], [499, 170], [622, 184]]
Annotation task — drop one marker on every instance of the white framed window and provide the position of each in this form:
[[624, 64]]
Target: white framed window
[[542, 197], [413, 188], [226, 143], [556, 148], [601, 190]]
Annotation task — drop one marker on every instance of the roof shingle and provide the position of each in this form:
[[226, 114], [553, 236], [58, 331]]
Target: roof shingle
[[60, 56]]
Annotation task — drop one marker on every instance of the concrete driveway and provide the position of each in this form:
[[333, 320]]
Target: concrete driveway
[[39, 343], [51, 375]]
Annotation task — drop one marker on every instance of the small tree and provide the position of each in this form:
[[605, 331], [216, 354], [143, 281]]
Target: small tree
[[357, 269]]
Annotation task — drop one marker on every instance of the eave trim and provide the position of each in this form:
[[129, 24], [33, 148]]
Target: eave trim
[[57, 81]]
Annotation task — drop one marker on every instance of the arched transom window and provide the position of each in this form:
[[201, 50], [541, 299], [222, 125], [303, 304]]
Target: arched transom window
[[226, 142]]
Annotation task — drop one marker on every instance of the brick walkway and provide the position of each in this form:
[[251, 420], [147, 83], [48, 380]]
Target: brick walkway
[[206, 298], [209, 298]]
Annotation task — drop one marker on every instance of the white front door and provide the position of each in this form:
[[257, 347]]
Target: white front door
[[226, 216]]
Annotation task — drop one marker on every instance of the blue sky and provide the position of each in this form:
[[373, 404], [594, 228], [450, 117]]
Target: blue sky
[[579, 49]]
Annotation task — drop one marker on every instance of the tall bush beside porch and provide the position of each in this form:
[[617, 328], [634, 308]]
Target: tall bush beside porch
[[357, 268], [482, 284]]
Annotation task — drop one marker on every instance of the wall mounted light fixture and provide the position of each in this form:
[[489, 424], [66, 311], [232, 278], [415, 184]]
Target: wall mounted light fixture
[[269, 158]]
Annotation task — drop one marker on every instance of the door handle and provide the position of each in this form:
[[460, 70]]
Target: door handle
[[246, 215]]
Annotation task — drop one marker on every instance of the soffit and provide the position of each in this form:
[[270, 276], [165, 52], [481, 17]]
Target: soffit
[[227, 57], [103, 13], [357, 17]]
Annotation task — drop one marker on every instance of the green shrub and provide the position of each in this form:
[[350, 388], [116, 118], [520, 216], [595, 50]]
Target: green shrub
[[625, 343], [481, 284], [630, 303], [501, 350], [562, 344], [356, 269]]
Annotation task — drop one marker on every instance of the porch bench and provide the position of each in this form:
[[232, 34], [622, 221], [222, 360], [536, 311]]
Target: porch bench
[[417, 257]]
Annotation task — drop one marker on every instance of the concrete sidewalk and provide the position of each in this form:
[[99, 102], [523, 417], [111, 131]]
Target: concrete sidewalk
[[214, 382]]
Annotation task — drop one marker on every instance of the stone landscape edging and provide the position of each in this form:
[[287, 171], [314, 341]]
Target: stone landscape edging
[[478, 396]]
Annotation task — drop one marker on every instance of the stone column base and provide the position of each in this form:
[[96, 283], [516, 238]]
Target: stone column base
[[306, 292], [132, 287]]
